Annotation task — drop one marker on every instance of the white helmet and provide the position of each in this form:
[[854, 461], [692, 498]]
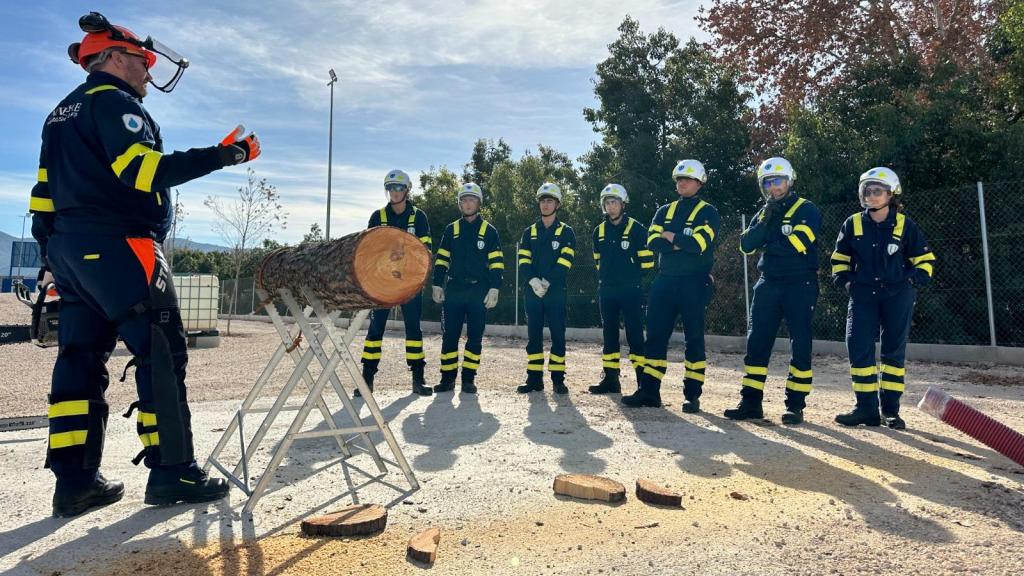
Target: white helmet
[[690, 169], [549, 190], [880, 175], [775, 166], [614, 191], [471, 189], [396, 177]]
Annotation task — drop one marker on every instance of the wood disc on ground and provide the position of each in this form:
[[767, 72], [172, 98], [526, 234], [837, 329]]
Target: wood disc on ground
[[589, 487], [376, 268], [355, 520], [423, 546], [651, 493]]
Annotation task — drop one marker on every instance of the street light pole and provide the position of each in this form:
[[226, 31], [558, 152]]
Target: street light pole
[[330, 155]]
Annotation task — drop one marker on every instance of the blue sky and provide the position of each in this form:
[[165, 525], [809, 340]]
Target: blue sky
[[419, 82]]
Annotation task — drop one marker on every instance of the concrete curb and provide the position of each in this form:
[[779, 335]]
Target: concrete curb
[[964, 354]]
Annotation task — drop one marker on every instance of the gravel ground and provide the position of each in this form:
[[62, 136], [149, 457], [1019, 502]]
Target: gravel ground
[[820, 499]]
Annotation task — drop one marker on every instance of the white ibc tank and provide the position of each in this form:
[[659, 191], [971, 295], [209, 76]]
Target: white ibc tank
[[199, 299]]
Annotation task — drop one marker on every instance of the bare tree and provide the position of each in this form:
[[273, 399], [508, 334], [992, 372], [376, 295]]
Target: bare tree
[[177, 226], [246, 221]]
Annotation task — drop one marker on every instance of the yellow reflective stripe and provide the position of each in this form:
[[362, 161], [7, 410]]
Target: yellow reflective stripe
[[654, 372], [455, 229], [644, 253], [867, 371], [443, 252], [495, 254], [758, 370], [629, 226], [794, 208], [609, 355], [610, 363], [801, 373], [706, 230], [837, 268], [414, 356], [125, 159], [837, 255], [564, 262], [558, 231], [872, 387], [533, 231], [40, 204], [383, 216], [496, 266], [483, 229], [66, 439], [700, 242], [414, 343], [470, 355], [796, 387], [556, 358], [471, 365], [600, 231], [101, 88], [671, 211], [696, 209], [893, 386], [569, 251], [442, 263], [646, 265], [449, 367], [150, 439], [537, 356], [373, 343], [525, 252], [146, 418], [694, 375], [901, 220], [886, 369], [858, 224], [927, 257], [926, 267], [806, 230], [69, 408], [798, 245], [91, 257], [525, 261], [426, 239], [371, 355], [751, 383], [698, 365], [150, 161], [656, 229], [636, 359], [658, 363], [597, 255], [43, 175], [556, 368], [450, 355]]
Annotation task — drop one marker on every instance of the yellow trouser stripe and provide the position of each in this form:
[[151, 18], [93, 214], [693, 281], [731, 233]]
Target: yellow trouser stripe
[[66, 439], [886, 369], [371, 343], [43, 175], [796, 387], [450, 355], [866, 371], [750, 382], [801, 373], [759, 370], [41, 205], [69, 408], [146, 418], [893, 386], [537, 356], [693, 375], [470, 364], [371, 355], [466, 354], [150, 439], [418, 343], [872, 387], [414, 356], [698, 365], [556, 358], [610, 363]]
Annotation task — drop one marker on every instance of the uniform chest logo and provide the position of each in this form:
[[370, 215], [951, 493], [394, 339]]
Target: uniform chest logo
[[687, 231], [555, 244], [479, 244], [132, 122], [892, 248], [624, 244], [411, 230], [787, 229]]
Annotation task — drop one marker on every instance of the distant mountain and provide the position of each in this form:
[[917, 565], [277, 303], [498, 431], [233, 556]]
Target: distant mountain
[[6, 241]]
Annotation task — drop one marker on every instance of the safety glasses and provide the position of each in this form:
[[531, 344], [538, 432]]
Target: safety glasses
[[773, 181], [396, 187], [875, 190]]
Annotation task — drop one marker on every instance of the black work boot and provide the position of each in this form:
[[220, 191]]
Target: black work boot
[[865, 412], [469, 382], [609, 383], [894, 421], [793, 417], [558, 383], [747, 409], [534, 383], [691, 396], [691, 406], [639, 375], [419, 385], [447, 383], [648, 394], [74, 498], [890, 402], [187, 483], [368, 373]]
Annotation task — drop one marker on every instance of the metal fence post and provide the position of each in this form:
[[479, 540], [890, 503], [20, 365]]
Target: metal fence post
[[988, 272], [252, 301], [746, 281]]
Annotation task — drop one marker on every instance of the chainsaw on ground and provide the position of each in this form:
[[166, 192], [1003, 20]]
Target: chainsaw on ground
[[45, 303]]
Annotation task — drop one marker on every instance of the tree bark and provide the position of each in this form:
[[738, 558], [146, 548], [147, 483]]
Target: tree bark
[[377, 268]]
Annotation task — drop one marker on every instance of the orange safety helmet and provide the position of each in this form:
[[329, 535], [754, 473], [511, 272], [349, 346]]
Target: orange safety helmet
[[115, 36]]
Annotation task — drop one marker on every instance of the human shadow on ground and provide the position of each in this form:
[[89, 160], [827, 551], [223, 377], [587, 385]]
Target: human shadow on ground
[[703, 443], [445, 427], [558, 423]]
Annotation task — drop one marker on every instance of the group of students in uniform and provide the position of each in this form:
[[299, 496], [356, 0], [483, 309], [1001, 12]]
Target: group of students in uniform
[[880, 259]]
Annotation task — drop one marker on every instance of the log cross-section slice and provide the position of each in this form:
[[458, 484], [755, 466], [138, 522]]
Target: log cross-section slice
[[651, 493], [423, 546], [355, 520], [376, 268], [587, 487]]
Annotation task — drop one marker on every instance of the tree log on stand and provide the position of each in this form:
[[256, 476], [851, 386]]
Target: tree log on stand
[[377, 268]]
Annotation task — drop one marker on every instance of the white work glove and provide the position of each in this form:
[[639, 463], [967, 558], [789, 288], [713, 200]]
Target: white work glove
[[491, 300], [546, 283], [438, 294], [538, 287]]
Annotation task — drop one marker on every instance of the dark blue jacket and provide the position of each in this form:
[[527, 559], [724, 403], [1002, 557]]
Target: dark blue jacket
[[690, 253], [470, 253], [102, 169], [789, 240], [547, 253], [884, 255], [620, 252]]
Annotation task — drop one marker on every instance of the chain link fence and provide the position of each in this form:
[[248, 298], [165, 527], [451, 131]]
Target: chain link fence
[[955, 309]]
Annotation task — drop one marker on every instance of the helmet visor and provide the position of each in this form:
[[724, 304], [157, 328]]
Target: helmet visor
[[167, 70]]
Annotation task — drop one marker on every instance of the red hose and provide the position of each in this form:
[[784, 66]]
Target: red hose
[[975, 424]]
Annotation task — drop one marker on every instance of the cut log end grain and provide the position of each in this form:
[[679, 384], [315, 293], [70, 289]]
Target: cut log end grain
[[391, 265], [587, 487], [651, 493], [355, 520], [423, 546]]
